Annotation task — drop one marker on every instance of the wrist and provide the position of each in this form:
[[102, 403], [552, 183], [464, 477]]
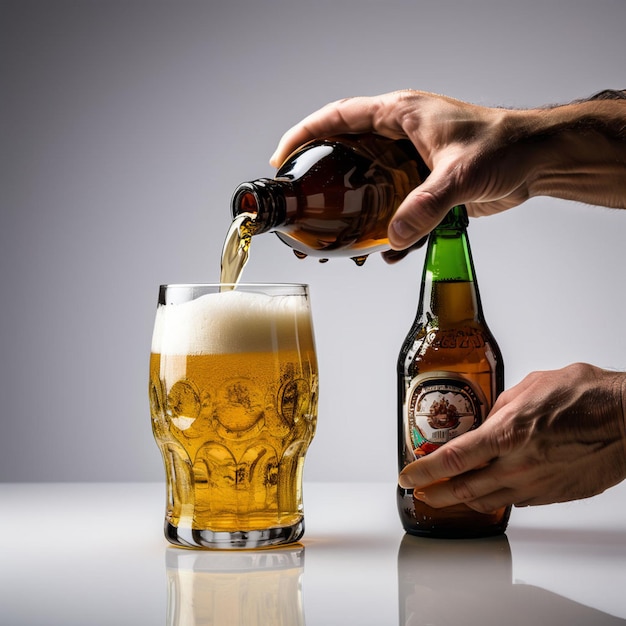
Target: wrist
[[575, 151]]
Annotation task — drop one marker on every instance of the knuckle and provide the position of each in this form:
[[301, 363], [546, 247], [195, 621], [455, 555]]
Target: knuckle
[[535, 376], [453, 459], [462, 490], [401, 97], [502, 441], [578, 369]]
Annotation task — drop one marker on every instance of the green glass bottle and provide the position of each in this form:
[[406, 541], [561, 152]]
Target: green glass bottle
[[450, 372]]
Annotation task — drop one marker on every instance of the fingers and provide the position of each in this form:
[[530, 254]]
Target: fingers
[[483, 497], [351, 115], [424, 208], [533, 449], [393, 256], [467, 452], [486, 490], [418, 214]]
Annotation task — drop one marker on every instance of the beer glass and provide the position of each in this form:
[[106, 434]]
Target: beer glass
[[233, 398]]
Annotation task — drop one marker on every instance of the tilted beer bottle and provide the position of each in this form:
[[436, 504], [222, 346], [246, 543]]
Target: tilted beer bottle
[[450, 372], [335, 196]]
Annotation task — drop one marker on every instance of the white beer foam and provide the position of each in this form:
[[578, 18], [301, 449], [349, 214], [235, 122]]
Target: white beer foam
[[231, 321]]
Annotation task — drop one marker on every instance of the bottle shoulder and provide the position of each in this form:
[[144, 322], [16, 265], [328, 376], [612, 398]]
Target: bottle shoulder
[[466, 334], [429, 346]]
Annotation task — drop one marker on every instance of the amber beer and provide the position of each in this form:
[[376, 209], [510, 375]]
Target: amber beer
[[233, 388], [450, 372]]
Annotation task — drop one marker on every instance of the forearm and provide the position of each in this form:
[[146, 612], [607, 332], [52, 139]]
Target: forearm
[[576, 151]]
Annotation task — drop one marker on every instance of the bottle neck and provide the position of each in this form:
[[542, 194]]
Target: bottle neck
[[449, 290], [264, 199]]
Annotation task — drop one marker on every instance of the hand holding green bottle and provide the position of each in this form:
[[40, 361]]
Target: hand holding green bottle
[[558, 435]]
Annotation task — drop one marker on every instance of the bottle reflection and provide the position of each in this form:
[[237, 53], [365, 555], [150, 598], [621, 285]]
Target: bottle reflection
[[470, 581], [261, 587], [453, 581]]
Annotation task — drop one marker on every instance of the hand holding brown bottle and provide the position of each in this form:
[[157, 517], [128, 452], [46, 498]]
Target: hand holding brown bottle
[[489, 159], [556, 436]]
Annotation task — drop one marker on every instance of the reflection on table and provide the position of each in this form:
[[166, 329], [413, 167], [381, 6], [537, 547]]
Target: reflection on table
[[440, 582], [76, 554], [445, 581], [255, 587]]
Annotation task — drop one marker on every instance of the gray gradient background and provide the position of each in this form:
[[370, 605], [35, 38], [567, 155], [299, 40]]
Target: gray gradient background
[[125, 127]]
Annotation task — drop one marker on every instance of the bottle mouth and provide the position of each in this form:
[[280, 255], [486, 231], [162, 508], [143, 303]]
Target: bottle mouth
[[244, 200], [248, 202], [257, 199]]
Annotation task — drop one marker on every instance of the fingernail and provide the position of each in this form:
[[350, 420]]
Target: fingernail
[[403, 230], [419, 495], [405, 482]]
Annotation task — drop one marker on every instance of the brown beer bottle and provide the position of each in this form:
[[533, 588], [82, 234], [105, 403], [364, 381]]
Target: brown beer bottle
[[450, 372], [335, 196]]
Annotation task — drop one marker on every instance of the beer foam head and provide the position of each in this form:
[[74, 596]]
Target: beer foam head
[[231, 321]]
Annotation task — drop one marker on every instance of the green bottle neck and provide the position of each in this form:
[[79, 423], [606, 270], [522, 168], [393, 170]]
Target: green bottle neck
[[449, 290], [448, 255]]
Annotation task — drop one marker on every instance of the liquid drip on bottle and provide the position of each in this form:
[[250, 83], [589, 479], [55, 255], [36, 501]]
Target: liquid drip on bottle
[[359, 260], [299, 254]]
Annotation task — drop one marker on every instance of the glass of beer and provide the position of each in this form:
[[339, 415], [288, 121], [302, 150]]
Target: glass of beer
[[233, 398]]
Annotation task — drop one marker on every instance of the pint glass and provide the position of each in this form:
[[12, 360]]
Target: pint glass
[[233, 399]]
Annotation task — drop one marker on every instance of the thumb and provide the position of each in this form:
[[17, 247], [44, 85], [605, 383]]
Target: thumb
[[421, 211]]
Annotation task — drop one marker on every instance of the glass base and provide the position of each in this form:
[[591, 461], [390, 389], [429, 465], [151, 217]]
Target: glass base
[[238, 540]]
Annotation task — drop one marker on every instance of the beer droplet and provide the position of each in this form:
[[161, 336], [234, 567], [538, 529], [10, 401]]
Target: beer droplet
[[323, 260], [359, 260], [299, 254]]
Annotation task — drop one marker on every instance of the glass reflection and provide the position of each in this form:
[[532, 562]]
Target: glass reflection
[[261, 587], [455, 581]]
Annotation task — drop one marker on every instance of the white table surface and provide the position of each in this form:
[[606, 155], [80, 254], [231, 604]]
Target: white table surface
[[94, 554]]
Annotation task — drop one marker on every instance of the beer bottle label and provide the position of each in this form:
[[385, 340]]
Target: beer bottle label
[[440, 406]]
